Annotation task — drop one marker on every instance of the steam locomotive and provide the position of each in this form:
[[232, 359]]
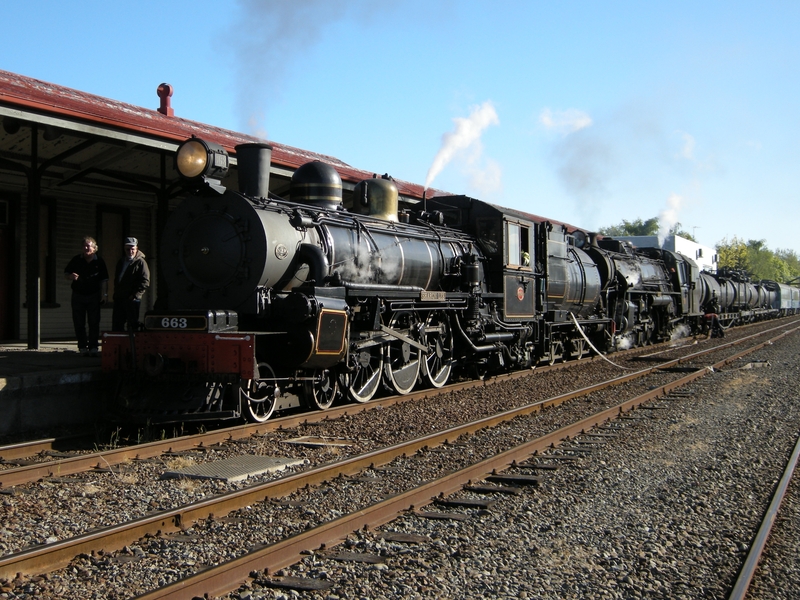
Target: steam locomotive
[[273, 304]]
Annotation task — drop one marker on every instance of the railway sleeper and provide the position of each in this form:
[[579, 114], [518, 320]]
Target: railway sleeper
[[493, 489], [515, 479], [464, 503], [300, 584], [537, 466], [445, 516]]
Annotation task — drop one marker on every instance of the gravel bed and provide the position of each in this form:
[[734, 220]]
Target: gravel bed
[[35, 513], [60, 507], [777, 575], [667, 510]]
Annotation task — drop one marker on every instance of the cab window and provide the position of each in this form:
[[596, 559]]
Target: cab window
[[518, 245]]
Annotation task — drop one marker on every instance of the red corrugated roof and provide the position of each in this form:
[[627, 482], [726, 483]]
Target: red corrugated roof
[[47, 98]]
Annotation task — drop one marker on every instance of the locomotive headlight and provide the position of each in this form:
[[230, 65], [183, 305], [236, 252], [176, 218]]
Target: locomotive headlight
[[196, 159]]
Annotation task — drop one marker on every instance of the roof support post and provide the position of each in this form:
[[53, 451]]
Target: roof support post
[[162, 213], [33, 291]]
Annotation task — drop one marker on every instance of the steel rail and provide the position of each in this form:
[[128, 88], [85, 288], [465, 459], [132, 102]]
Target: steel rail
[[748, 570], [20, 450], [52, 556], [108, 458], [58, 554], [223, 578]]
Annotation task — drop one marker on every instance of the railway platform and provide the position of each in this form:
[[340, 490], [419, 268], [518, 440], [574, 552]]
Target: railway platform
[[48, 387]]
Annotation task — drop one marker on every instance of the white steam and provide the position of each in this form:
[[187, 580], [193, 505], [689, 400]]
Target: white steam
[[681, 331], [565, 121], [363, 263], [624, 342], [467, 136], [668, 217]]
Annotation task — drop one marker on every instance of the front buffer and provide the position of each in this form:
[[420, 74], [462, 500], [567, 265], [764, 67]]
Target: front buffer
[[185, 374]]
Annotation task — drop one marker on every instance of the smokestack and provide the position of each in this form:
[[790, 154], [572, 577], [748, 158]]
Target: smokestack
[[254, 164]]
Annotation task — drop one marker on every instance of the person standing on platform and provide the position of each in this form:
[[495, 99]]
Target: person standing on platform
[[131, 280], [89, 277]]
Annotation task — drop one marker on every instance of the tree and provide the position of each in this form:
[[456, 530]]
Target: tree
[[733, 254], [639, 227], [757, 260], [792, 262], [760, 260], [636, 227]]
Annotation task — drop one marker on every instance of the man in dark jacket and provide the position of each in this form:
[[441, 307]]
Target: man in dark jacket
[[89, 277], [131, 280]]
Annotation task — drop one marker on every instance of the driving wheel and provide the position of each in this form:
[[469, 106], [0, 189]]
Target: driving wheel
[[403, 359], [439, 340], [257, 396]]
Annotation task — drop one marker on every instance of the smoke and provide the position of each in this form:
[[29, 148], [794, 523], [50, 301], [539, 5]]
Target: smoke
[[668, 217], [583, 156], [584, 164], [486, 180], [465, 141], [269, 38]]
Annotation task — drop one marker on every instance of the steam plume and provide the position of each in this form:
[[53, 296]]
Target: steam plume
[[583, 155], [565, 121], [466, 134], [668, 217], [269, 38]]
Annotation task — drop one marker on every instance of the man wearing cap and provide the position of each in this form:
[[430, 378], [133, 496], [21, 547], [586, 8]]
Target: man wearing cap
[[131, 280]]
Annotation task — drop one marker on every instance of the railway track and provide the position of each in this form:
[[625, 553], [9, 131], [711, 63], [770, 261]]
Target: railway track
[[52, 555], [226, 577], [30, 461], [742, 586], [11, 453]]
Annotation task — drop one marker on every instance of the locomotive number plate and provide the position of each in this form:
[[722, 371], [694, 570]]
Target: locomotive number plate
[[432, 296], [180, 323]]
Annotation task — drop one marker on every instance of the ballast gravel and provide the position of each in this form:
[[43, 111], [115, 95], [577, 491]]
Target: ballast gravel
[[667, 509]]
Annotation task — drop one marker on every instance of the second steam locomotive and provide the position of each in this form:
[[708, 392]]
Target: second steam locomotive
[[273, 303]]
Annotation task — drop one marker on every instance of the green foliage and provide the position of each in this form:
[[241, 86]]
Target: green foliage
[[639, 227], [792, 261], [758, 260], [732, 255]]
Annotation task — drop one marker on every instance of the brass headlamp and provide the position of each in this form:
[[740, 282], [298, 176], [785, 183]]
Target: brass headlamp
[[198, 160]]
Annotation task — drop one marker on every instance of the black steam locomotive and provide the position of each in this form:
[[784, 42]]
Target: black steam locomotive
[[272, 304]]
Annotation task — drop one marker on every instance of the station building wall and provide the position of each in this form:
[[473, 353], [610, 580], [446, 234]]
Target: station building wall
[[64, 221]]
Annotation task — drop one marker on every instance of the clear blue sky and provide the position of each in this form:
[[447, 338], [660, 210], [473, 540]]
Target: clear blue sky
[[584, 112]]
